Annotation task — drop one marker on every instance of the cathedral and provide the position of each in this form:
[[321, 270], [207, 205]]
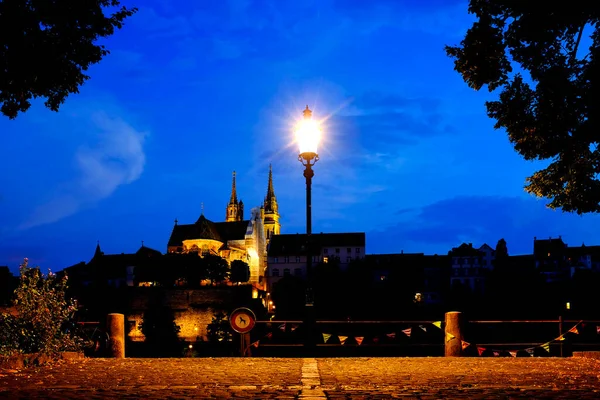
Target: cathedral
[[236, 238]]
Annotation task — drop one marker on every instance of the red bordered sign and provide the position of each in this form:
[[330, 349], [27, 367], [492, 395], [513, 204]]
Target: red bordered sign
[[242, 320]]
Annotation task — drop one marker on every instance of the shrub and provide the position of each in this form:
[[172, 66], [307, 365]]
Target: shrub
[[41, 316]]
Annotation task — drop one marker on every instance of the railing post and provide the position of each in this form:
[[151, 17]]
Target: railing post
[[560, 332], [116, 335], [453, 334]]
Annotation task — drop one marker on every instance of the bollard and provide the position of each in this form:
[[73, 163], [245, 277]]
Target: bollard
[[115, 324], [453, 334]]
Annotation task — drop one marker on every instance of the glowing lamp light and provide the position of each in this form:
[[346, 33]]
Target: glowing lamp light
[[308, 135]]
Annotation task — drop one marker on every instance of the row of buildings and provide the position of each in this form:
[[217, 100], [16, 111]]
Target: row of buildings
[[271, 255]]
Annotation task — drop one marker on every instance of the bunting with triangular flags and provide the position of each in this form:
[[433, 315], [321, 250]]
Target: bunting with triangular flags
[[342, 339], [437, 324], [560, 338], [546, 346], [269, 335], [495, 353], [480, 350], [407, 331], [464, 344], [423, 327], [326, 337], [574, 330], [598, 329], [391, 335], [449, 336], [294, 327], [255, 344], [512, 353], [359, 339], [375, 340], [282, 327]]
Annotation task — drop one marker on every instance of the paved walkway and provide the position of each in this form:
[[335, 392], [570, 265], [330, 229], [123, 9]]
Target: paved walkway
[[295, 378]]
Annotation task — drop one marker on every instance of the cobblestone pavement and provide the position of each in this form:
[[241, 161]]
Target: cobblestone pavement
[[294, 378]]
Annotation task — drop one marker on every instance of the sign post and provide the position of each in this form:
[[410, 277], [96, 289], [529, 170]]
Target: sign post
[[242, 321]]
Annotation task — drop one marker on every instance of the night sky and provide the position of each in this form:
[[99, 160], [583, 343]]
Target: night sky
[[192, 92]]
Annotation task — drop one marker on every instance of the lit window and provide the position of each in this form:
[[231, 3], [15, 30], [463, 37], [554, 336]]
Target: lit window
[[382, 278], [325, 260], [276, 259]]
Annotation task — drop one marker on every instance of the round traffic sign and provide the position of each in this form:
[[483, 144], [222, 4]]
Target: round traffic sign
[[242, 320]]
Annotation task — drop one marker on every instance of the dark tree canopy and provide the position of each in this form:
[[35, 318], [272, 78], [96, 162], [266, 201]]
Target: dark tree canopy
[[549, 104], [240, 271], [47, 45]]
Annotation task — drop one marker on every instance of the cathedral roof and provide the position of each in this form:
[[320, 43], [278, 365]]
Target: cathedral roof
[[206, 229]]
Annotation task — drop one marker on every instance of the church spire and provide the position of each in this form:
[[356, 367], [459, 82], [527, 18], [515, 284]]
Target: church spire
[[270, 190], [235, 208], [98, 252], [233, 198]]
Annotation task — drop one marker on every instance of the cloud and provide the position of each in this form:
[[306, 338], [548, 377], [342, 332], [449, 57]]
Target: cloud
[[379, 121], [115, 158], [477, 219]]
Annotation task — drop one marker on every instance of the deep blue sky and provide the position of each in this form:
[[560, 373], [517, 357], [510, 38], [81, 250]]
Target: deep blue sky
[[192, 92]]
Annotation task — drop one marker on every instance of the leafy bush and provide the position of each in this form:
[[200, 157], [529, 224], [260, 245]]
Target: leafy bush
[[41, 315], [219, 329]]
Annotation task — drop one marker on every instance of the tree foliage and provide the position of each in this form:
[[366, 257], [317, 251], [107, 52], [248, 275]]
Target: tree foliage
[[240, 271], [47, 45], [216, 267], [42, 313], [549, 89]]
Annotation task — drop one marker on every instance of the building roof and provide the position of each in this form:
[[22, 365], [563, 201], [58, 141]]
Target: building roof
[[465, 250], [290, 244], [206, 229], [552, 246]]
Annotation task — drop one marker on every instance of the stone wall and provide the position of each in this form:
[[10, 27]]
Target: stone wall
[[193, 308]]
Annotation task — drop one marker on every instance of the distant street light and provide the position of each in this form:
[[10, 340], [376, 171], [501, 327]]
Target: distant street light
[[308, 135]]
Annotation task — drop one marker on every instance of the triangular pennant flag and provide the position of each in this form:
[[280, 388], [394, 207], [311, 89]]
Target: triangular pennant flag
[[530, 351], [282, 327], [512, 353], [375, 340], [294, 327], [480, 350], [598, 329], [574, 330], [560, 338], [342, 339], [423, 327], [546, 346], [407, 331], [255, 344], [464, 344], [390, 335], [326, 337], [449, 336], [269, 335], [437, 324], [496, 353], [359, 339]]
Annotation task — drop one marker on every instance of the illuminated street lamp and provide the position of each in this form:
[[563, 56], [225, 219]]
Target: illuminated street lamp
[[308, 135]]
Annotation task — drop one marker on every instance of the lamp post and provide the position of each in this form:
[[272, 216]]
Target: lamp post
[[308, 135]]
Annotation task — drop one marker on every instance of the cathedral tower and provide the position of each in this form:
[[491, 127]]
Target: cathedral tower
[[235, 209], [271, 210]]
